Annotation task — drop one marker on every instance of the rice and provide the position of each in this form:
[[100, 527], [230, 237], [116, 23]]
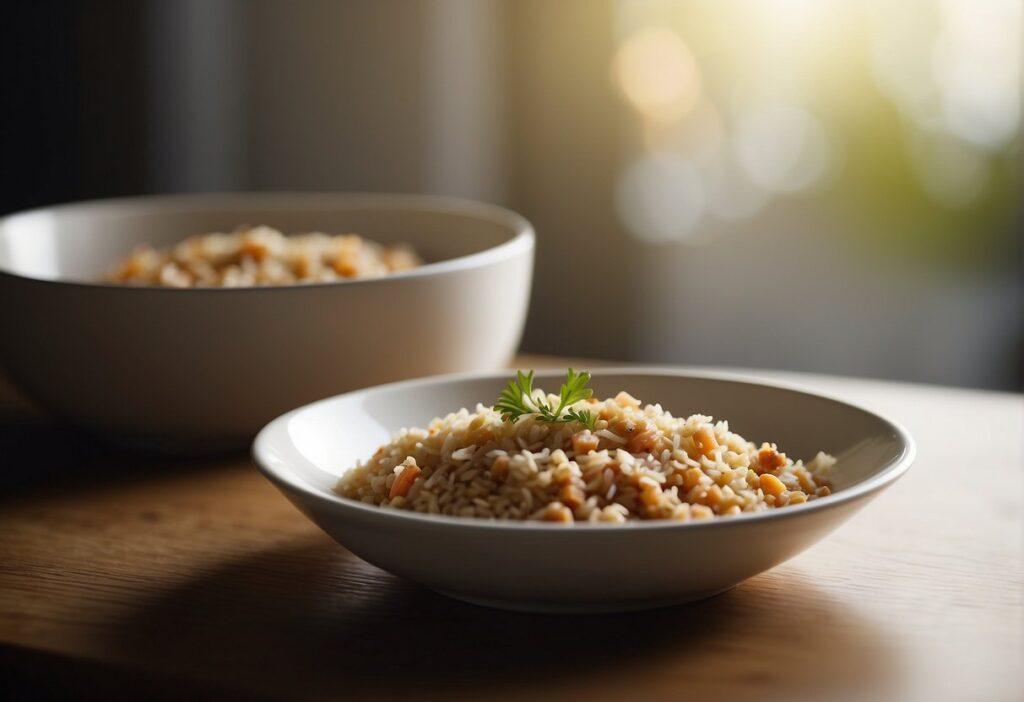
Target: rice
[[260, 256], [637, 463]]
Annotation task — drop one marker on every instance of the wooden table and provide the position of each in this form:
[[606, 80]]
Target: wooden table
[[124, 577]]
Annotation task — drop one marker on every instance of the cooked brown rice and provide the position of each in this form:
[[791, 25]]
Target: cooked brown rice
[[261, 256], [638, 463]]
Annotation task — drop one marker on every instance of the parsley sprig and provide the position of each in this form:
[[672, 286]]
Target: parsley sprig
[[517, 399]]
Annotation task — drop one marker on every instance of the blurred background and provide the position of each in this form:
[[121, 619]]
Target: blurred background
[[817, 185]]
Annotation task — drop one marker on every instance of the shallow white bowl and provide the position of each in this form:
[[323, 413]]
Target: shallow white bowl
[[206, 368], [583, 567]]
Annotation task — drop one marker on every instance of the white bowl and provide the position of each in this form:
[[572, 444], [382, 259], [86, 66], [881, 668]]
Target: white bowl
[[583, 567], [206, 368]]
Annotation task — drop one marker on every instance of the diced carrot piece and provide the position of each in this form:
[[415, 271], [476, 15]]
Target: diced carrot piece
[[691, 478], [772, 485], [404, 481], [705, 440], [303, 266], [571, 496], [651, 497], [345, 267], [714, 496], [701, 512], [254, 249], [499, 469], [584, 442], [557, 512], [769, 459], [644, 442]]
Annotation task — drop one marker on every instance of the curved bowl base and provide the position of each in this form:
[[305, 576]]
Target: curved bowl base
[[541, 607]]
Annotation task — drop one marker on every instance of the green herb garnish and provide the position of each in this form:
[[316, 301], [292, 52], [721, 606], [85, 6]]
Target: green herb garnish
[[518, 399]]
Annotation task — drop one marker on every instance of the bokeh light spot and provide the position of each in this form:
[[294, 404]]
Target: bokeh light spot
[[731, 195], [657, 74], [660, 198], [782, 148]]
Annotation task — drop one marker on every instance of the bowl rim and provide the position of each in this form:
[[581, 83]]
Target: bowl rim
[[522, 239], [887, 475]]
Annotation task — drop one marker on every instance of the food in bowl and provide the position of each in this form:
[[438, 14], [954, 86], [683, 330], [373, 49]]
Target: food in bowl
[[260, 256], [573, 458], [581, 567], [203, 369]]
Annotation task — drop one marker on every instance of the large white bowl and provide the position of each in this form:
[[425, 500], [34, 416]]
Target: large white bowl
[[206, 368], [583, 567]]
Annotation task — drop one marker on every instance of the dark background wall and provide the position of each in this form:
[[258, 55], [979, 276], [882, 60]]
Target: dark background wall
[[73, 85]]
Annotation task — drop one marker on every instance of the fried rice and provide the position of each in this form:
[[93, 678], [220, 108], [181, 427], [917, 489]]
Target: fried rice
[[260, 256], [638, 463]]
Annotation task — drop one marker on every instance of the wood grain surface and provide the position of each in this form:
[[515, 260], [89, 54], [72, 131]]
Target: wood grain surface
[[124, 577]]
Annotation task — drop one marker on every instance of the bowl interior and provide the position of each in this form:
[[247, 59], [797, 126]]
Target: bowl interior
[[315, 444], [81, 242]]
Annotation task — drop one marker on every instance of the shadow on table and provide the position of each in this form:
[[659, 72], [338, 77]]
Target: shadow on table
[[311, 620], [45, 456]]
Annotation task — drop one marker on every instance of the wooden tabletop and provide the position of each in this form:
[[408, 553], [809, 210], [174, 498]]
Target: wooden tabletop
[[122, 577]]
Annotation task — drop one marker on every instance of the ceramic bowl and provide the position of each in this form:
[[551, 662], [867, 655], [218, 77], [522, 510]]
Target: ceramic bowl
[[582, 567], [205, 368]]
